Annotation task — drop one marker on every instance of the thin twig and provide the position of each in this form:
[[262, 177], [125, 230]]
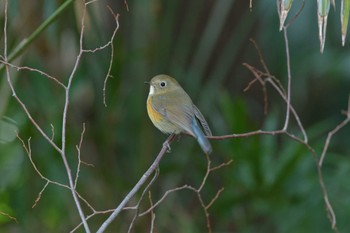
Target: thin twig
[[278, 87], [214, 198], [153, 215], [221, 165], [116, 17], [24, 107], [206, 173], [9, 216], [33, 70], [162, 198], [143, 179], [40, 193], [197, 191], [296, 15], [286, 97], [289, 72], [5, 54], [28, 150], [137, 207], [329, 137], [329, 208], [289, 82], [79, 156], [126, 5], [62, 150], [64, 124], [52, 132]]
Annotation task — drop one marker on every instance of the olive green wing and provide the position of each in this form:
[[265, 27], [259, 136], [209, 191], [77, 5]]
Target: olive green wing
[[173, 109], [202, 120]]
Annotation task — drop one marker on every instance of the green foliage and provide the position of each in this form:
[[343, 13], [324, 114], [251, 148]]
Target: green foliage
[[272, 184], [323, 7]]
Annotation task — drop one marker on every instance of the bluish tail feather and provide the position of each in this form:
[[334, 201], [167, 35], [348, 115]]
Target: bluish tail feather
[[202, 140]]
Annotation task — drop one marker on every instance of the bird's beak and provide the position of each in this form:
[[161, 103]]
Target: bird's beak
[[146, 82]]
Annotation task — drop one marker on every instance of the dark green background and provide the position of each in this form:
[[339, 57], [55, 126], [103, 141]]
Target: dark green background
[[272, 184]]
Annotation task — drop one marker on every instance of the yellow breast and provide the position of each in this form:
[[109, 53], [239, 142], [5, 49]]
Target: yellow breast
[[159, 120], [155, 117]]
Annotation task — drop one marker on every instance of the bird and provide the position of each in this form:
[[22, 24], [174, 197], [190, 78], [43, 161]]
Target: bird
[[172, 111]]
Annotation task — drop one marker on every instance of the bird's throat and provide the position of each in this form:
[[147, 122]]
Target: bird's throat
[[151, 90]]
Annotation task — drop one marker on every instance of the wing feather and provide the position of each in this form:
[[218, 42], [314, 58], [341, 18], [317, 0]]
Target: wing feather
[[202, 120], [179, 115]]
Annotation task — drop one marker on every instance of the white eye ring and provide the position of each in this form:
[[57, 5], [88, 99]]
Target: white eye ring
[[162, 84]]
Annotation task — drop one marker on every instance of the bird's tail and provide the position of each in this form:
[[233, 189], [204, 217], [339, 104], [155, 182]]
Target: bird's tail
[[201, 138]]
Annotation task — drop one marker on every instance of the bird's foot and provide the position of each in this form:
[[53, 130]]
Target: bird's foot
[[167, 145]]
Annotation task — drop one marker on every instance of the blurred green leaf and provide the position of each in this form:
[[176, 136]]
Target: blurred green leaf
[[323, 7], [5, 210], [10, 164], [8, 130], [323, 10], [344, 17], [285, 7]]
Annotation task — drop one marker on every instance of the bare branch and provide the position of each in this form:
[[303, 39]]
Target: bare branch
[[64, 124], [91, 1], [221, 165], [126, 5], [28, 150], [116, 17], [28, 113], [33, 70], [40, 193], [163, 197], [329, 137], [9, 216], [5, 30], [138, 185], [153, 216], [197, 191], [79, 156], [289, 82], [137, 207], [329, 208], [52, 132], [278, 87], [214, 198]]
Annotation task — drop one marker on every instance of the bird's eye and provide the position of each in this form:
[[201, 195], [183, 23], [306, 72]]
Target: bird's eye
[[162, 84]]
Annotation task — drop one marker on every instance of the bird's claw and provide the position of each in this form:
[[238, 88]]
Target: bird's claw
[[167, 145]]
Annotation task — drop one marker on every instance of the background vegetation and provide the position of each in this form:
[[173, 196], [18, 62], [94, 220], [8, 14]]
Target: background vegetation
[[272, 184]]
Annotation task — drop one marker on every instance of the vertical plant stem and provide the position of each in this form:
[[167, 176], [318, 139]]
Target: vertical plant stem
[[289, 79], [27, 41]]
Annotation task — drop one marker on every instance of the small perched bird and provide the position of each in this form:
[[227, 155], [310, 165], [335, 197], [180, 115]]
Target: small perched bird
[[171, 110]]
